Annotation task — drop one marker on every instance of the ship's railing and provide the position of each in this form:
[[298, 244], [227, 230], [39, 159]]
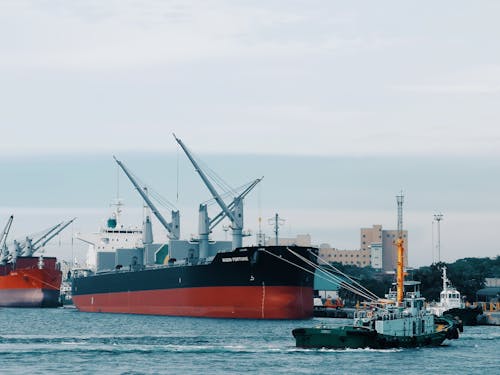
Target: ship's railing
[[180, 263], [388, 313]]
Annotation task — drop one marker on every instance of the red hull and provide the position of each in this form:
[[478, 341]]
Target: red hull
[[29, 287], [249, 302]]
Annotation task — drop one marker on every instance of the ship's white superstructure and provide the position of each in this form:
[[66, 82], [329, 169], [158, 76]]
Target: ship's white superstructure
[[449, 298], [114, 235]]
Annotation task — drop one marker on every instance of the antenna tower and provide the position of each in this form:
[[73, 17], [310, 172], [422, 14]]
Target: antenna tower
[[438, 218]]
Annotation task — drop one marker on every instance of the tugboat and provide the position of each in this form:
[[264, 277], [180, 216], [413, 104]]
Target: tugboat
[[385, 323], [450, 303]]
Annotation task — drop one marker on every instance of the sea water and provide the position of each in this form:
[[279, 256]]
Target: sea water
[[66, 341]]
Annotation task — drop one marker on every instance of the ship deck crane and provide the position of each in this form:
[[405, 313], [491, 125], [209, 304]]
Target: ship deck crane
[[4, 252], [221, 215], [58, 230], [234, 211], [173, 228], [32, 247], [26, 247]]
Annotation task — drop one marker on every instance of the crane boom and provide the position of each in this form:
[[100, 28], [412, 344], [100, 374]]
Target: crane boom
[[60, 228], [48, 232], [207, 182], [4, 252], [217, 219], [5, 232], [173, 230]]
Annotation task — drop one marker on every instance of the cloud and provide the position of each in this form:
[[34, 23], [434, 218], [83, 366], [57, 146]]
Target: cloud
[[104, 35], [470, 89], [476, 80]]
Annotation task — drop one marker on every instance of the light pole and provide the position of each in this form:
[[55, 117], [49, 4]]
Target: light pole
[[438, 218]]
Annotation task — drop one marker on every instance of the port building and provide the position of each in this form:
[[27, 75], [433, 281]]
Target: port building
[[381, 243], [377, 249]]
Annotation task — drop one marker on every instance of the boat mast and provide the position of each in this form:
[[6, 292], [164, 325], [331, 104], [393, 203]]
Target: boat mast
[[445, 279], [400, 246]]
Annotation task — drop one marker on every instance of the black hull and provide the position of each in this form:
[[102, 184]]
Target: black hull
[[253, 282], [468, 315], [241, 267]]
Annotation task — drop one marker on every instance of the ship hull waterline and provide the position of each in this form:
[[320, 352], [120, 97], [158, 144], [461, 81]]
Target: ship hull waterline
[[254, 283], [30, 286], [353, 338], [29, 297], [242, 302]]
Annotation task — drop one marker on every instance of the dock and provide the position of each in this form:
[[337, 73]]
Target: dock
[[490, 315]]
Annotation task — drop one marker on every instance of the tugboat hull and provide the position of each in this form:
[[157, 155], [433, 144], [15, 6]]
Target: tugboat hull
[[467, 315], [349, 337]]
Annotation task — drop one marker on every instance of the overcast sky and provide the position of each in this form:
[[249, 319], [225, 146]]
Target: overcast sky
[[295, 78]]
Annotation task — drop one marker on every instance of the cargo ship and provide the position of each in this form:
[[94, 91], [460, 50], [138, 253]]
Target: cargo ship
[[268, 282], [32, 282], [27, 280], [199, 277]]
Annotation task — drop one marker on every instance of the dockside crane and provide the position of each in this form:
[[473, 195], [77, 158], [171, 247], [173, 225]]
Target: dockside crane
[[4, 251], [233, 211], [172, 228]]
